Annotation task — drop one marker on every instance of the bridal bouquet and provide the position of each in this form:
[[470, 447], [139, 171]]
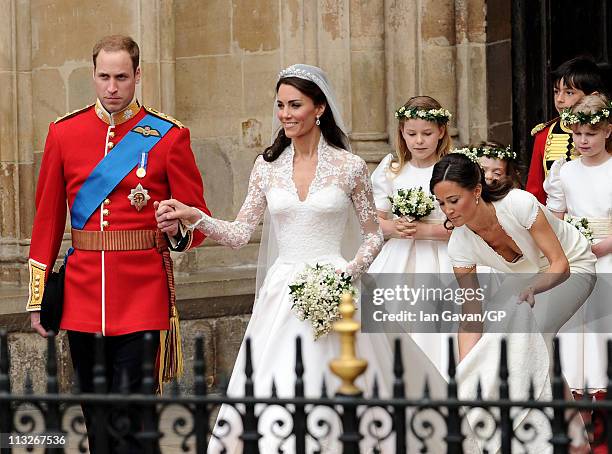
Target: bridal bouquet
[[413, 203], [316, 293], [582, 224]]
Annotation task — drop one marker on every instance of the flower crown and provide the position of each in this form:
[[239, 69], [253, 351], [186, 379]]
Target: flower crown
[[440, 116], [570, 118], [296, 71], [470, 153], [496, 152]]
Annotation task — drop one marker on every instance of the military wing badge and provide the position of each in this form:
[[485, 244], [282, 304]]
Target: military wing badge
[[146, 131]]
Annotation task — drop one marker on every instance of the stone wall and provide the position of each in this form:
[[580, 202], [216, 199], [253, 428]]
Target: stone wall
[[213, 65]]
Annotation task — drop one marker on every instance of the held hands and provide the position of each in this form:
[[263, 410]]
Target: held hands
[[169, 212], [35, 323]]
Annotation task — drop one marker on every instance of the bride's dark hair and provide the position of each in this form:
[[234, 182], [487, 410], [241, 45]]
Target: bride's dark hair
[[331, 132], [466, 173]]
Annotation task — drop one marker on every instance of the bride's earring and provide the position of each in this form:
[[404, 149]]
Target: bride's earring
[[477, 200], [318, 122]]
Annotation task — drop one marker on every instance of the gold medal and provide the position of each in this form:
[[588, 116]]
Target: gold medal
[[141, 172]]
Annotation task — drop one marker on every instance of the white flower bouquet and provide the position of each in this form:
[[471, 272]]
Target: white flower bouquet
[[316, 293], [582, 224], [413, 203]]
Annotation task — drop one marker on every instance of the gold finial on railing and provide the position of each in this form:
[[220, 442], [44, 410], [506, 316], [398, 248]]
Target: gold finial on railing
[[348, 367]]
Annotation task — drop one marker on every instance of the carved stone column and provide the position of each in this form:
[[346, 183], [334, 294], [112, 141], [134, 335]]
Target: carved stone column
[[17, 168], [369, 112]]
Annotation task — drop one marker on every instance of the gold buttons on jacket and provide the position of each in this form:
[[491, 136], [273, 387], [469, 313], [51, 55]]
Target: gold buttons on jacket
[[105, 212], [111, 134], [105, 224], [110, 145], [106, 202]]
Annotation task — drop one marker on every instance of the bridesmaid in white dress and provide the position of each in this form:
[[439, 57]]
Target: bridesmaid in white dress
[[312, 188], [507, 229], [581, 188], [417, 246]]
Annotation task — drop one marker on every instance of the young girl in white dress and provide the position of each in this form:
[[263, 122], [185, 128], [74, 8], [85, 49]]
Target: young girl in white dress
[[414, 246], [507, 229], [311, 188], [582, 188]]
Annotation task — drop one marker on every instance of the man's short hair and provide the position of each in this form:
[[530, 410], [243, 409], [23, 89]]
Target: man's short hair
[[116, 43]]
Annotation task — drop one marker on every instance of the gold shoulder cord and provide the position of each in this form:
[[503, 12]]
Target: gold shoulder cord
[[72, 114], [159, 114]]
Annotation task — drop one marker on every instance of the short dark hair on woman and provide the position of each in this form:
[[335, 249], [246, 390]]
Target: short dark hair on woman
[[329, 129], [460, 169], [581, 73]]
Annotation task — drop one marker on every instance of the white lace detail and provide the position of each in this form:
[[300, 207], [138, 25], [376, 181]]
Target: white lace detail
[[313, 227], [237, 233]]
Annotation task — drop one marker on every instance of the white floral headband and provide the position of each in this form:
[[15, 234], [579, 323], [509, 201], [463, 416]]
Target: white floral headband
[[470, 153], [571, 118], [496, 152], [440, 116]]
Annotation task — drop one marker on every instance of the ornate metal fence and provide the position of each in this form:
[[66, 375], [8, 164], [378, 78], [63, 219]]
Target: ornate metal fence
[[394, 423]]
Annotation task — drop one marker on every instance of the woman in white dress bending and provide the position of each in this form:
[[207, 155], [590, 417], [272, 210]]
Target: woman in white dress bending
[[507, 229], [415, 246], [581, 188], [312, 188]]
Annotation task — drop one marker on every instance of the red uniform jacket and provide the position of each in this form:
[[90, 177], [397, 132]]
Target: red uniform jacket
[[113, 292], [551, 142]]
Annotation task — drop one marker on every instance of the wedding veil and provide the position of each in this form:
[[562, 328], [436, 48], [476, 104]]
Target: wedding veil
[[268, 249]]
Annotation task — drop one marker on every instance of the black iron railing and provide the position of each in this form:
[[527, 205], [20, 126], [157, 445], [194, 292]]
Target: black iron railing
[[367, 423]]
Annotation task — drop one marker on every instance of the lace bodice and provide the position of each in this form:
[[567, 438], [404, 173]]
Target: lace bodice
[[314, 227]]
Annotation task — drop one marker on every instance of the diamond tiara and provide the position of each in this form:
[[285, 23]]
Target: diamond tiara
[[295, 71]]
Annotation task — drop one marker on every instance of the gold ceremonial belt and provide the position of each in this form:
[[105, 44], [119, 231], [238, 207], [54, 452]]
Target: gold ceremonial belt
[[116, 240], [601, 227]]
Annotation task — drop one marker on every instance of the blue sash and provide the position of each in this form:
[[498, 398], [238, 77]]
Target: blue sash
[[115, 166]]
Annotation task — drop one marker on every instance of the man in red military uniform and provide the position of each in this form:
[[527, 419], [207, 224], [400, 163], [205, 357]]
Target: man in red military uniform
[[110, 162]]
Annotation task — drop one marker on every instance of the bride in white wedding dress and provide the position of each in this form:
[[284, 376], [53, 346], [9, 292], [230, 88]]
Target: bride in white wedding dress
[[312, 189]]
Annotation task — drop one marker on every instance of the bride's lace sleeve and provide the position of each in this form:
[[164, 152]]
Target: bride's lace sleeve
[[371, 234], [237, 233]]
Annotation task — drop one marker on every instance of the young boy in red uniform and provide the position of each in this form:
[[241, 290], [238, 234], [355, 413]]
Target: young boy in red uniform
[[572, 80]]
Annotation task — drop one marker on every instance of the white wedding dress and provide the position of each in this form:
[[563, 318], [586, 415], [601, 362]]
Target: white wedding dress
[[307, 231]]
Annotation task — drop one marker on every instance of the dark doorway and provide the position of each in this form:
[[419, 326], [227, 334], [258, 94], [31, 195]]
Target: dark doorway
[[545, 33]]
